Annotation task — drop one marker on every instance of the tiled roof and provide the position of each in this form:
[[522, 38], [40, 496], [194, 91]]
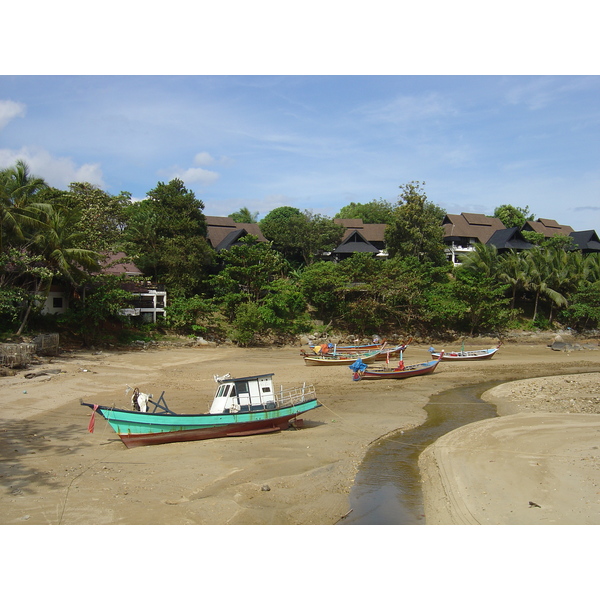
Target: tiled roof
[[372, 232], [118, 263], [510, 238], [355, 242], [218, 228], [547, 227], [586, 240], [470, 225]]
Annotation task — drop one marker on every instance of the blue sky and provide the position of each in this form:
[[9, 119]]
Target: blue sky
[[317, 142]]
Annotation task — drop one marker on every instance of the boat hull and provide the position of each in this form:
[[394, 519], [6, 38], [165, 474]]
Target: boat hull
[[467, 355], [331, 360], [410, 371], [146, 429]]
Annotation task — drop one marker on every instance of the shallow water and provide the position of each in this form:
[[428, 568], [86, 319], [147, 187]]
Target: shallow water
[[387, 488]]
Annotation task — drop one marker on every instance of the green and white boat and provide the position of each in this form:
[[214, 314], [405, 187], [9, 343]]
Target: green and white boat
[[241, 406]]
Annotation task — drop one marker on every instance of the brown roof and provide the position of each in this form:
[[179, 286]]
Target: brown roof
[[218, 228], [471, 225], [372, 232], [548, 227], [118, 263]]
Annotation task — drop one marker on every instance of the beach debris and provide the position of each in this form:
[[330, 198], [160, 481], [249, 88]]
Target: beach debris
[[533, 504], [265, 488]]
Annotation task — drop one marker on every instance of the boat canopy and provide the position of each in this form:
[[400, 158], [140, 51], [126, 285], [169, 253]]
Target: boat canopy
[[242, 394]]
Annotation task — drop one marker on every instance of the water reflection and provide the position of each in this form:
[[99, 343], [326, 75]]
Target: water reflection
[[387, 489]]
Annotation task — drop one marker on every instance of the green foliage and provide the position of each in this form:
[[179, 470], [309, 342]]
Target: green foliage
[[533, 237], [91, 316], [376, 211], [193, 315], [11, 303], [559, 242], [415, 229], [247, 324], [301, 237], [166, 234], [367, 296], [513, 216], [584, 307], [246, 271], [481, 300], [101, 216], [244, 215]]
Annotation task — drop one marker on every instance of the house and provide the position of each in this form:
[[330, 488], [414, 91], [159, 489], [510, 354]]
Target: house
[[547, 227], [150, 301], [509, 239], [223, 232], [586, 241], [462, 232], [360, 237]]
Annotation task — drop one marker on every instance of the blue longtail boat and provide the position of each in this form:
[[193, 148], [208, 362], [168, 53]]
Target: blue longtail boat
[[241, 406]]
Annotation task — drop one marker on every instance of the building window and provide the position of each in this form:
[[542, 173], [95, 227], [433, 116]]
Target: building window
[[57, 302]]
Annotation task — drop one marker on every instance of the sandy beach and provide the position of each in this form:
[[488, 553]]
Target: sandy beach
[[542, 449]]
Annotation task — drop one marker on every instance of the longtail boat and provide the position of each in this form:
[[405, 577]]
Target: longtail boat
[[241, 406], [387, 353], [401, 371], [336, 348], [466, 354], [356, 348], [338, 358]]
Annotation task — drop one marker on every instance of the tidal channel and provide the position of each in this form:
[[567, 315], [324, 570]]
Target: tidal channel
[[387, 488]]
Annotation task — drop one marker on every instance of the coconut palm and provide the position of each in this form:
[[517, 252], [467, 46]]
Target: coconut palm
[[591, 267], [511, 270], [18, 189], [540, 277], [483, 260], [63, 245]]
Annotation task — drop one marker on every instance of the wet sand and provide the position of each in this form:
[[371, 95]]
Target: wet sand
[[54, 471]]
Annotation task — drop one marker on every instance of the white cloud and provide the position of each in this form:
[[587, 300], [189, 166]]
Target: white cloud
[[203, 159], [406, 109], [9, 110], [56, 171], [193, 175]]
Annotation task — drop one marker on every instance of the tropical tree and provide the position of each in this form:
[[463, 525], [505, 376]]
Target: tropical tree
[[539, 277], [376, 211], [102, 216], [513, 216], [300, 236], [166, 235], [483, 259], [244, 215], [18, 190], [415, 228], [511, 270]]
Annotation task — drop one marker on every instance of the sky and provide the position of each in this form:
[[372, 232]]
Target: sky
[[316, 142], [252, 106]]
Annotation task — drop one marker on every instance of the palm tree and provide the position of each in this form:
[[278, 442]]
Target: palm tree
[[17, 207], [540, 277], [511, 270], [59, 242], [591, 267], [63, 245], [483, 260]]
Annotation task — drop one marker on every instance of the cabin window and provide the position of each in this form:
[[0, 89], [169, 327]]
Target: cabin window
[[242, 387], [223, 391], [57, 302], [266, 390], [232, 392]]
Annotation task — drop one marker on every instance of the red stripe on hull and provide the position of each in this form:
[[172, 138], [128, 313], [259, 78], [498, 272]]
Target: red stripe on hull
[[191, 435]]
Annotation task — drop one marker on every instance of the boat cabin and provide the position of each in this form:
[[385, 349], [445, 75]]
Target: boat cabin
[[243, 394]]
